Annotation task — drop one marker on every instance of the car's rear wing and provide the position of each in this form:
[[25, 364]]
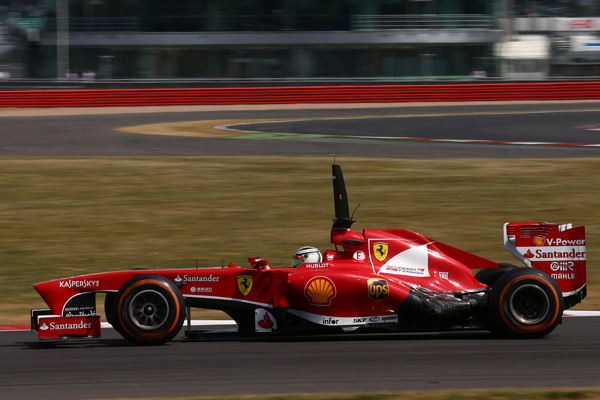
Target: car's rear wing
[[558, 250]]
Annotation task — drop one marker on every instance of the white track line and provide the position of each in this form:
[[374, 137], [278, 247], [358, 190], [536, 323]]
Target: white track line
[[581, 313], [230, 323], [208, 322]]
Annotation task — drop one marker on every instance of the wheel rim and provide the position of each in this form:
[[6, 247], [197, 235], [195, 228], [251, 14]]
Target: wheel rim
[[529, 304], [149, 310]]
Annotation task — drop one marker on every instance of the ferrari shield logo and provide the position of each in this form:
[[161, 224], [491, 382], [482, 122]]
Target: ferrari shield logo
[[380, 249], [244, 283]]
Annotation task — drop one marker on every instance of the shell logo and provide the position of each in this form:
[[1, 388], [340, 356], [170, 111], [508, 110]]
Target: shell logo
[[539, 241], [320, 291]]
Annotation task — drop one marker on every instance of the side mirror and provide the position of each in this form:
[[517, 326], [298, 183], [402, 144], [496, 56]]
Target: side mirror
[[258, 263]]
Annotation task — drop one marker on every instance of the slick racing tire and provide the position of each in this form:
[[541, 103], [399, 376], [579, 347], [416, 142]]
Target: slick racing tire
[[111, 312], [150, 310], [525, 303], [110, 309]]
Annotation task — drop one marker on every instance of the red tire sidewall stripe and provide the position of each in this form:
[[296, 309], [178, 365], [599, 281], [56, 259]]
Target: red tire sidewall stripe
[[528, 329], [147, 336]]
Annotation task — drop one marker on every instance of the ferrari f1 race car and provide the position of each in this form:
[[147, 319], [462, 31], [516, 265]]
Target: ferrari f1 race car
[[389, 279]]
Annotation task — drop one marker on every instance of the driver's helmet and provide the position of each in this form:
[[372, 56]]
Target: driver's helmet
[[307, 254]]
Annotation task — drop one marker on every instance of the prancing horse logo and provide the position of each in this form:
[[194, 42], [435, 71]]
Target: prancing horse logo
[[380, 249], [244, 284]]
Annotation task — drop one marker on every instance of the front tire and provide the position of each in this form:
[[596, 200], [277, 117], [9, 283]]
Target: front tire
[[150, 310], [110, 310], [525, 303]]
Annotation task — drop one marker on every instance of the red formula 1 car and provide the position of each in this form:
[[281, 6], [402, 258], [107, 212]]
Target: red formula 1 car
[[379, 278]]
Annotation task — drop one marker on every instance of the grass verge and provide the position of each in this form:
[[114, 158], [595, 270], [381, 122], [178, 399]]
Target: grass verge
[[508, 394], [64, 217]]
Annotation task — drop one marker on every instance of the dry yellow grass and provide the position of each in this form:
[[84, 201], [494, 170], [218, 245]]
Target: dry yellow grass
[[63, 217]]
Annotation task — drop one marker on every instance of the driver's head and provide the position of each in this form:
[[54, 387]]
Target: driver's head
[[307, 254]]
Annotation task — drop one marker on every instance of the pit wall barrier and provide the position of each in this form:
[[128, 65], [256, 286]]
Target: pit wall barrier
[[310, 94]]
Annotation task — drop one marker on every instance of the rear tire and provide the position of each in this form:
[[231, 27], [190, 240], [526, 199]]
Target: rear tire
[[525, 303], [150, 310]]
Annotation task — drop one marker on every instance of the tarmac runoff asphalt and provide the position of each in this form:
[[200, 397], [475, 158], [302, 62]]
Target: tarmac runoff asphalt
[[229, 323]]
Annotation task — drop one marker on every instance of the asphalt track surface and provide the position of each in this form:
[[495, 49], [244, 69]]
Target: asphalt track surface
[[94, 135], [111, 368]]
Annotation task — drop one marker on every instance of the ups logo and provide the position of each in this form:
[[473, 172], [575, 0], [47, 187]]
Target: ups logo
[[378, 289]]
